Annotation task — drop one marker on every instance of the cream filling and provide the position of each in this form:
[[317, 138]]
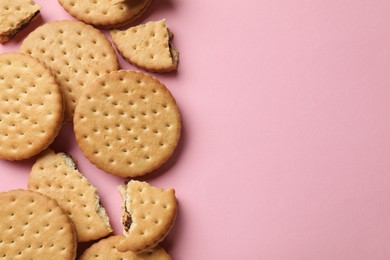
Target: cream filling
[[173, 51]]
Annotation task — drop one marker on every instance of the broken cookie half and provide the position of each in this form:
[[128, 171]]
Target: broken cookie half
[[147, 46], [56, 176], [148, 215], [15, 15]]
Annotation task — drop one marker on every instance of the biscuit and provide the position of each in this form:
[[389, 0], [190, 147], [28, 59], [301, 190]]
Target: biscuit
[[31, 109], [33, 226], [14, 16], [147, 46], [77, 53], [106, 13], [127, 123], [148, 215], [106, 249], [56, 176]]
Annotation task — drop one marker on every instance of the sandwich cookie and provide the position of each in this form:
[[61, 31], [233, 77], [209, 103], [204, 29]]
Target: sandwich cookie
[[31, 106], [33, 226], [127, 123], [148, 215]]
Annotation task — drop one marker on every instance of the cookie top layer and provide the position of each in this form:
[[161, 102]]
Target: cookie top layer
[[77, 54], [106, 249], [33, 226], [105, 13], [31, 109], [127, 123], [14, 14], [56, 176], [147, 46], [151, 211]]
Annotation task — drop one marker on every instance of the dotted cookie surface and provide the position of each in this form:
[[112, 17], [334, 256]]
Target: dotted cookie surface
[[147, 46], [106, 249], [15, 14], [105, 13], [55, 176], [31, 108], [77, 54], [32, 226], [127, 123], [152, 215]]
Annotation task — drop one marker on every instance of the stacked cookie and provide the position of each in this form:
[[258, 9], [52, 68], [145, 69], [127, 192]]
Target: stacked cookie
[[126, 122]]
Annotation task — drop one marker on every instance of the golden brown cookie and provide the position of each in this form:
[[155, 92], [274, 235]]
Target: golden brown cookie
[[56, 176], [33, 226], [106, 249], [106, 13], [147, 46], [148, 215], [31, 109], [15, 15], [77, 53], [127, 123]]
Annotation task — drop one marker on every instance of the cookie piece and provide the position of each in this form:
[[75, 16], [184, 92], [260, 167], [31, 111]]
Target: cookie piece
[[127, 123], [147, 46], [14, 16], [56, 176], [148, 215], [106, 14], [77, 53], [31, 109], [106, 249], [33, 226]]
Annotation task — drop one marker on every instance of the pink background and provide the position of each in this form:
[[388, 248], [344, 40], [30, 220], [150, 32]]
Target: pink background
[[285, 152]]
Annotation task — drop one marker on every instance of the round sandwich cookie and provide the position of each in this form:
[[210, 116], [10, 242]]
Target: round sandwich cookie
[[31, 106], [106, 249], [127, 123], [77, 54], [106, 14], [56, 176], [33, 226]]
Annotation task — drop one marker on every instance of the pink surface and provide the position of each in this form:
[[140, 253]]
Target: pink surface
[[285, 151]]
